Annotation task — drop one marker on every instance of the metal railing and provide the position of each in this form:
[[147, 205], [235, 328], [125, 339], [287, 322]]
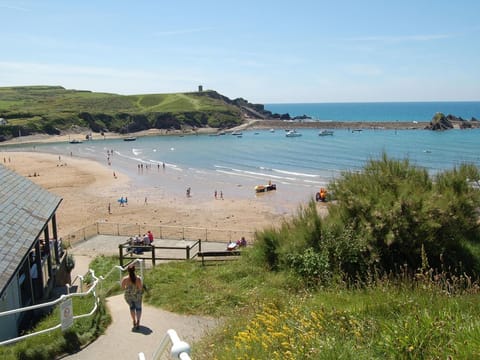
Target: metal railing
[[61, 299], [179, 350], [92, 290]]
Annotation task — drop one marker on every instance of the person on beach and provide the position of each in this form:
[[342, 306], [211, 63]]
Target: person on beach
[[150, 236], [133, 286], [215, 194]]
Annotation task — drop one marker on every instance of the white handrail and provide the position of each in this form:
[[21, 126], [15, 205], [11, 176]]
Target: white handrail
[[52, 303], [140, 261], [179, 350]]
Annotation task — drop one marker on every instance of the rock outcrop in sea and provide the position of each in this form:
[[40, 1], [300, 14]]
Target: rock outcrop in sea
[[442, 122]]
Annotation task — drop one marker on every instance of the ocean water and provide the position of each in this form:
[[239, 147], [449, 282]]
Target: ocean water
[[299, 166], [379, 111]]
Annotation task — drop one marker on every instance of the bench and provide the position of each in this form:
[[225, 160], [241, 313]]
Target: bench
[[217, 254]]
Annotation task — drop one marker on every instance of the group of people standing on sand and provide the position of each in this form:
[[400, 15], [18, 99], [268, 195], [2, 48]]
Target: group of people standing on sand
[[216, 195], [141, 166]]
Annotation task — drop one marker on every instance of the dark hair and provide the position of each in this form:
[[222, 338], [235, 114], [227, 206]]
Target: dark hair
[[131, 274]]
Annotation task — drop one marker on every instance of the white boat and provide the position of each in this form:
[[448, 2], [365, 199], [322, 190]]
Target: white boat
[[237, 133], [75, 141], [272, 130], [325, 132], [130, 138], [292, 133]]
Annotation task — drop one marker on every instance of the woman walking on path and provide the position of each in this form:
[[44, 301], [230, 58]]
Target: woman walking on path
[[132, 284]]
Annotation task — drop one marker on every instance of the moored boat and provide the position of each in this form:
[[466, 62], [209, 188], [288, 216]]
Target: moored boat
[[75, 141], [325, 132], [130, 138], [292, 133]]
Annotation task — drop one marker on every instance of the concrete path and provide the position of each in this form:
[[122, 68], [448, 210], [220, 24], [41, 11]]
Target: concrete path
[[119, 340]]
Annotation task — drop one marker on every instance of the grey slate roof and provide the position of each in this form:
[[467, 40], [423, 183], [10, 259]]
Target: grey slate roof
[[25, 208]]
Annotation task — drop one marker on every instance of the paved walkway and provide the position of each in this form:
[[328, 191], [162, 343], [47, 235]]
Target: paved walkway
[[119, 340]]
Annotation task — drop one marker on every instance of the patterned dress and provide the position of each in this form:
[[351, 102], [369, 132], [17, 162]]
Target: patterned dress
[[132, 294]]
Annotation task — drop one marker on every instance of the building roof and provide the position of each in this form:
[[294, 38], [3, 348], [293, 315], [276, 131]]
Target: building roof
[[25, 208]]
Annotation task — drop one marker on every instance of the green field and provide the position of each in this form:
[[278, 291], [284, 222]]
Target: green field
[[53, 109]]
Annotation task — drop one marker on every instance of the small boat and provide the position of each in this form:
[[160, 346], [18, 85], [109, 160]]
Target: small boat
[[265, 188], [130, 138], [75, 141], [357, 130], [237, 133], [292, 133], [325, 132], [272, 130]]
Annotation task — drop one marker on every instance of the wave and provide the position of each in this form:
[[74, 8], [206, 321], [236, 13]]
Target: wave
[[131, 157], [167, 165], [294, 173]]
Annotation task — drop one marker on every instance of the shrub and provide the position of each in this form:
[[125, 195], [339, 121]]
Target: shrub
[[397, 208], [381, 220]]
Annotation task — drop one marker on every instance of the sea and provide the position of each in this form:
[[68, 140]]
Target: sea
[[298, 165]]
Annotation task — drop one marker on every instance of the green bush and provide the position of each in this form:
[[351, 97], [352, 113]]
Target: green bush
[[381, 220], [397, 208]]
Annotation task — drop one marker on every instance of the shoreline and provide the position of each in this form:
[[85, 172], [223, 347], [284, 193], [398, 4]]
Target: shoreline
[[251, 124], [88, 189]]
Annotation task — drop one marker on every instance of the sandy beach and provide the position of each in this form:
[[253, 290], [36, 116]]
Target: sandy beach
[[88, 189]]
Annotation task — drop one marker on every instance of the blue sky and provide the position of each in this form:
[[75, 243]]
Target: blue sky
[[264, 51]]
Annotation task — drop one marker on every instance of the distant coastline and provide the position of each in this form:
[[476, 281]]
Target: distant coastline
[[374, 125], [251, 124]]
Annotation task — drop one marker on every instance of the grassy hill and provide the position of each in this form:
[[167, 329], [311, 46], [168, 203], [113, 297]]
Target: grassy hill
[[53, 109]]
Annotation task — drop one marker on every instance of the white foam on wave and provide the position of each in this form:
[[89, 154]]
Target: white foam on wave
[[137, 152], [294, 173], [130, 157], [239, 174], [253, 174], [167, 165]]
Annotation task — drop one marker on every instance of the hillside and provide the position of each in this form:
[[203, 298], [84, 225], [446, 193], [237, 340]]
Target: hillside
[[53, 110]]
